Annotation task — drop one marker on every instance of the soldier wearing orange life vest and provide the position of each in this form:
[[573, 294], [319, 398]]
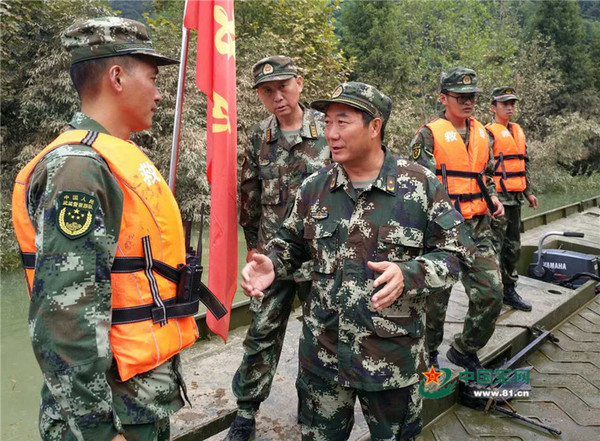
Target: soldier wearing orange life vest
[[102, 240], [457, 148], [512, 184]]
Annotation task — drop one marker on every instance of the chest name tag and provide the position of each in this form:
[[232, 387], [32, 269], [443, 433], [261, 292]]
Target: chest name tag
[[76, 213]]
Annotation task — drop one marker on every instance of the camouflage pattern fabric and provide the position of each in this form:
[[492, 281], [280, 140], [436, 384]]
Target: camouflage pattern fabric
[[109, 37], [274, 68], [459, 80], [484, 289], [158, 431], [262, 347], [403, 217], [360, 96], [481, 281], [272, 171], [507, 242], [326, 410], [70, 308]]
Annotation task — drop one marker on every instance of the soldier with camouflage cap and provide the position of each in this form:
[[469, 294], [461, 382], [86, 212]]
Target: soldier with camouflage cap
[[381, 235], [513, 187], [71, 209], [457, 148], [283, 150]]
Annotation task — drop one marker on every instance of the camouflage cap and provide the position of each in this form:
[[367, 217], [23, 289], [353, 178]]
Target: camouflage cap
[[459, 80], [274, 68], [361, 96], [109, 37], [504, 94]]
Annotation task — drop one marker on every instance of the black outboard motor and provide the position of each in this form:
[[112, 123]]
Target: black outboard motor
[[568, 268]]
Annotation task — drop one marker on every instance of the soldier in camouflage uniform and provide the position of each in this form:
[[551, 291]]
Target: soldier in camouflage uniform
[[83, 397], [284, 149], [381, 235], [507, 229], [482, 280]]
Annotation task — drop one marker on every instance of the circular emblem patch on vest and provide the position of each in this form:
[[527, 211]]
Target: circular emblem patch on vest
[[337, 92], [76, 213], [416, 151], [467, 80], [268, 69]]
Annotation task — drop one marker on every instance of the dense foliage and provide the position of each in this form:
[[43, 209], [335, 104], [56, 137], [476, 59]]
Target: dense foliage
[[547, 50]]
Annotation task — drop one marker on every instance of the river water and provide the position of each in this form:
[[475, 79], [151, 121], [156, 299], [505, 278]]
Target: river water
[[19, 372]]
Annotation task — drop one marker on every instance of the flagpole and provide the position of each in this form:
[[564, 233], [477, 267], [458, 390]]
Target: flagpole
[[185, 40]]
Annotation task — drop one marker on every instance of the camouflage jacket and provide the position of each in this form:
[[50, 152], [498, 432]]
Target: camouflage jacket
[[70, 309], [517, 198], [272, 171], [403, 217], [424, 140]]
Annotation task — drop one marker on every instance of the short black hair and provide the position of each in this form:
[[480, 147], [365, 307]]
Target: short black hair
[[367, 118], [85, 75]]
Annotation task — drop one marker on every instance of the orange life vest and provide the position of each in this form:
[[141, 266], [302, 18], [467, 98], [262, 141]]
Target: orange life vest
[[459, 169], [150, 249], [509, 153]]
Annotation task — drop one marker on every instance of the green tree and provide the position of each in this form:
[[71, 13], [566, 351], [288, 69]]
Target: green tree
[[134, 9], [37, 95], [371, 35], [560, 21]]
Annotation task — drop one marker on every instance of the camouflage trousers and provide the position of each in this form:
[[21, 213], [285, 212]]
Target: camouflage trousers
[[262, 346], [507, 241], [483, 287], [58, 430], [326, 410]]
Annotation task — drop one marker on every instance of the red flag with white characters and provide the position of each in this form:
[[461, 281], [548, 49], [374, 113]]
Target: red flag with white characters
[[215, 76]]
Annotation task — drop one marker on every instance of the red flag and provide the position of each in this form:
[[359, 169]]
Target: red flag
[[215, 76]]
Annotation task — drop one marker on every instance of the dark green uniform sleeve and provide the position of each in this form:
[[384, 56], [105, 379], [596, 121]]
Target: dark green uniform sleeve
[[448, 247], [489, 170], [250, 193], [422, 148], [288, 249], [70, 309], [528, 191]]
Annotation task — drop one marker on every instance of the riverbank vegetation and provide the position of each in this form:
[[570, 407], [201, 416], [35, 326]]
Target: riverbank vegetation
[[547, 50]]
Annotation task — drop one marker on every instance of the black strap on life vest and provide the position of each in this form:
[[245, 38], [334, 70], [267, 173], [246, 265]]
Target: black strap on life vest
[[170, 309], [509, 157], [464, 197], [159, 314], [503, 174], [150, 311]]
